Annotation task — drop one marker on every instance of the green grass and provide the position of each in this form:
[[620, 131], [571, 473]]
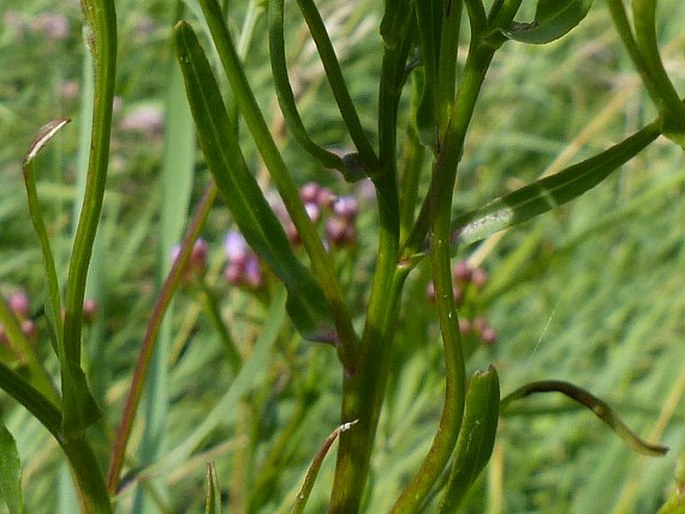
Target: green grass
[[591, 293]]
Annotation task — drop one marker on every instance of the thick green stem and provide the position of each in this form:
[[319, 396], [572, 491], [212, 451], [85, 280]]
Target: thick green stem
[[100, 18], [363, 391], [439, 214]]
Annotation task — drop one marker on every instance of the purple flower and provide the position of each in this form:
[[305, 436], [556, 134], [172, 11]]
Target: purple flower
[[346, 207], [236, 247]]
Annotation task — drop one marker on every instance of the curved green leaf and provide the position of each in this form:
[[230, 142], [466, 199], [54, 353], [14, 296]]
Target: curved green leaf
[[285, 95], [476, 438], [547, 193], [313, 471], [10, 473], [553, 19], [601, 409], [307, 305]]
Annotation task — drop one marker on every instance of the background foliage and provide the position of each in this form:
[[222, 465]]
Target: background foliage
[[591, 293]]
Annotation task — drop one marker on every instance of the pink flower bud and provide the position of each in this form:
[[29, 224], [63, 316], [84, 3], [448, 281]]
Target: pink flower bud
[[488, 336], [346, 207], [198, 257], [252, 276], [458, 294], [462, 272], [28, 327], [479, 277], [465, 326], [340, 232], [19, 304], [90, 309], [480, 324], [236, 247], [233, 273], [309, 193]]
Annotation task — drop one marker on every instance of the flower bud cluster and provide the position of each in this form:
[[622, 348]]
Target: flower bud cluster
[[337, 215], [50, 25], [467, 282], [20, 305]]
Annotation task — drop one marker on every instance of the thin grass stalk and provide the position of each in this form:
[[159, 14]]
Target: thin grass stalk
[[177, 180], [147, 348]]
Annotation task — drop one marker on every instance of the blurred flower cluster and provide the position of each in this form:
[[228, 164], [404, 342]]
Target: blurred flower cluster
[[335, 215], [467, 283], [51, 25], [20, 305]]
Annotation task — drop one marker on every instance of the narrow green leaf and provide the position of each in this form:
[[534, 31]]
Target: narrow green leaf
[[313, 471], [10, 472], [213, 497], [53, 308], [342, 96], [259, 225], [601, 409], [476, 438], [553, 19], [547, 193]]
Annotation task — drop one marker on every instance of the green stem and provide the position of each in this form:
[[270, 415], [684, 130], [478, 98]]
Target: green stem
[[414, 153], [364, 391], [93, 495], [100, 16], [668, 102], [447, 64], [247, 104], [439, 214], [92, 490]]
